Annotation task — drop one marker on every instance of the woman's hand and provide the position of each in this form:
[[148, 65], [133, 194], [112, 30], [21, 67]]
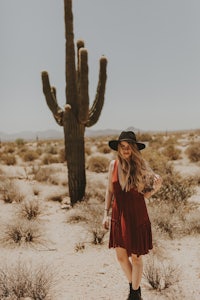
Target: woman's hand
[[156, 186], [106, 222]]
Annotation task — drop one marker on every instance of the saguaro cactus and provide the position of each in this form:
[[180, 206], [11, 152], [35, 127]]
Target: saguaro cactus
[[76, 114]]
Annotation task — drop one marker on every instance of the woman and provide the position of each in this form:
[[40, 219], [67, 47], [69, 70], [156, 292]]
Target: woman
[[130, 181]]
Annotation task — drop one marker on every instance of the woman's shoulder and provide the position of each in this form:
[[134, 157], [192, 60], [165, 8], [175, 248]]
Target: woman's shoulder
[[112, 164]]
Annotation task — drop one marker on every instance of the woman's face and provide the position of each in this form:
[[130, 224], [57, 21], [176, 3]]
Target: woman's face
[[125, 149]]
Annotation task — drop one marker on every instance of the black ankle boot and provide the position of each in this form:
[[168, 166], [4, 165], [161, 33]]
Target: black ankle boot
[[136, 294], [130, 291]]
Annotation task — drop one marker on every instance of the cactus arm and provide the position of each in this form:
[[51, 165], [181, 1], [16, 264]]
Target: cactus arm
[[70, 70], [80, 44], [83, 97], [97, 106], [50, 96]]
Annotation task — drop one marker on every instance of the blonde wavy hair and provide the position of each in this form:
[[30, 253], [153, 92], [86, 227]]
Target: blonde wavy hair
[[134, 169]]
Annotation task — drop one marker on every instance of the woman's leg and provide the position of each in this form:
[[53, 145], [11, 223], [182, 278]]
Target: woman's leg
[[137, 269], [124, 261]]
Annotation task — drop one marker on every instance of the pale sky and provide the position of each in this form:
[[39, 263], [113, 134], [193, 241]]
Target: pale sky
[[153, 52]]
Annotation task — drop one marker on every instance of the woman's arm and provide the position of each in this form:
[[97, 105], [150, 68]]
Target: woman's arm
[[156, 186], [108, 195]]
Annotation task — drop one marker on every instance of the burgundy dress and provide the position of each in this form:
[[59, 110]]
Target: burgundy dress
[[130, 224]]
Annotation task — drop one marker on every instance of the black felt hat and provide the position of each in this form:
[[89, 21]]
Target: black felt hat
[[127, 136]]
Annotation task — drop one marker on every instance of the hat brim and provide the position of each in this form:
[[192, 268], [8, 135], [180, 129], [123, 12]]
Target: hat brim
[[114, 144]]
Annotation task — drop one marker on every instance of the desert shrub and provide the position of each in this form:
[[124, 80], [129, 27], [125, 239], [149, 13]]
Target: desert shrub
[[175, 189], [192, 222], [19, 142], [160, 275], [79, 247], [144, 137], [157, 141], [10, 191], [9, 148], [173, 220], [88, 150], [95, 189], [41, 173], [172, 152], [9, 159], [50, 159], [104, 148], [166, 218], [193, 152], [62, 158], [21, 232], [30, 155], [91, 215], [51, 150], [56, 197], [157, 161], [30, 209], [23, 280], [98, 164], [171, 140]]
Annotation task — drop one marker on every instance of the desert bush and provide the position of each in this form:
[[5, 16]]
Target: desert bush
[[30, 209], [171, 140], [104, 148], [56, 197], [23, 280], [8, 159], [175, 189], [10, 191], [193, 152], [19, 142], [88, 150], [30, 155], [144, 137], [91, 215], [160, 275], [172, 152], [62, 158], [41, 173], [192, 222], [157, 161], [157, 141], [50, 159], [50, 149], [166, 218], [79, 247], [95, 189], [21, 232], [98, 164], [174, 221], [9, 148]]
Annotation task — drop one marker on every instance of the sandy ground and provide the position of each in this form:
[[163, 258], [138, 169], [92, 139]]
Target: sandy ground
[[94, 273]]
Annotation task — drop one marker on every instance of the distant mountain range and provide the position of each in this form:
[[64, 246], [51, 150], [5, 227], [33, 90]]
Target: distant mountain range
[[51, 134]]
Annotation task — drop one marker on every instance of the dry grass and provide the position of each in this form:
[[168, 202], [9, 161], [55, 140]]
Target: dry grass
[[9, 159], [193, 152], [91, 215], [171, 214], [21, 232], [10, 191], [98, 164], [25, 280], [160, 274], [30, 209], [172, 152]]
